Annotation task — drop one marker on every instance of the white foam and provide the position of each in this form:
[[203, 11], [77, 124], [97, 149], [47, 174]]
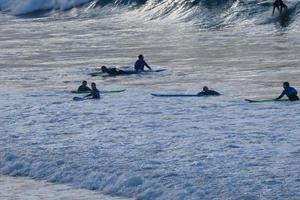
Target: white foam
[[12, 188], [135, 145]]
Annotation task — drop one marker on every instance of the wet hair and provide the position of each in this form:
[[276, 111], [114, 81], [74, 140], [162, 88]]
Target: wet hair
[[93, 84], [84, 82], [140, 56], [103, 68], [286, 84], [205, 88]]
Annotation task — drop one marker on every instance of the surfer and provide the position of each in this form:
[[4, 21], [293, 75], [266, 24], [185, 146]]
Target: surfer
[[208, 92], [279, 5], [289, 91], [83, 87], [140, 64], [112, 71], [95, 94]]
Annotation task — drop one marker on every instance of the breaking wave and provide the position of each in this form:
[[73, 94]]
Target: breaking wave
[[207, 13]]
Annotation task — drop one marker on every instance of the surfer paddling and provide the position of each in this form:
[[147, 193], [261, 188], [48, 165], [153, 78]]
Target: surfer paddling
[[289, 91], [208, 92], [112, 71], [279, 5]]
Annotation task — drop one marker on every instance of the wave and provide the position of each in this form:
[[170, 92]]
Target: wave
[[22, 7], [204, 12]]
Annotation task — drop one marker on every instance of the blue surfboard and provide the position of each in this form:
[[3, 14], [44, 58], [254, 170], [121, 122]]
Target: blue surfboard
[[266, 100], [176, 95], [101, 92]]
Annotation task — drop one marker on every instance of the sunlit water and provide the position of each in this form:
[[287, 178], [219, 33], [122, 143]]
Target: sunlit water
[[131, 144]]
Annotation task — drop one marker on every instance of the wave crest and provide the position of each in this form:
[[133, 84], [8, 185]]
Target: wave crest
[[17, 7], [207, 13]]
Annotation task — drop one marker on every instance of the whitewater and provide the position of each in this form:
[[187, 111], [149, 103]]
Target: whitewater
[[132, 145]]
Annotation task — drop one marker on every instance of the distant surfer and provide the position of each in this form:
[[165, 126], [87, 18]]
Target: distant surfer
[[208, 92], [289, 91], [83, 87], [95, 94], [279, 5], [140, 64], [112, 71]]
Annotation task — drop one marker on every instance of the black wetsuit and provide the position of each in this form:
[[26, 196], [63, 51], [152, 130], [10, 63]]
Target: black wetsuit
[[83, 88], [114, 71], [95, 94], [209, 93], [291, 93]]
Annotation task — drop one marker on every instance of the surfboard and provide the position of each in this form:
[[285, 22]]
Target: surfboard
[[96, 73], [103, 91], [127, 72], [79, 99], [175, 95], [266, 100], [158, 70], [184, 95]]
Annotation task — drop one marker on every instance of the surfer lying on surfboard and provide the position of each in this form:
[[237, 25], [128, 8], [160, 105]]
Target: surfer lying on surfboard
[[279, 5], [208, 92], [289, 91], [112, 71], [204, 93], [139, 66]]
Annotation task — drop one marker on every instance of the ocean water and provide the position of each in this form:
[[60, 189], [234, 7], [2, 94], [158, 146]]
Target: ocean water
[[134, 145]]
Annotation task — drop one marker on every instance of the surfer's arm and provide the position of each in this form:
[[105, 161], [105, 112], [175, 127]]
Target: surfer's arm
[[282, 94], [284, 6], [148, 66]]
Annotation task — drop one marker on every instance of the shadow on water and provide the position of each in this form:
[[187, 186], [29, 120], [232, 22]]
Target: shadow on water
[[36, 14]]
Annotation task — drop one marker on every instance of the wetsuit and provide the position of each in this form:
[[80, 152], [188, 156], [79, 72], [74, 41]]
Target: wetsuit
[[95, 94], [114, 71], [291, 93], [209, 93], [140, 65], [83, 88]]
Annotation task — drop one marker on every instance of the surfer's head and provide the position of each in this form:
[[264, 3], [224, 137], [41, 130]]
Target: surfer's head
[[93, 85], [205, 89], [141, 57], [286, 85], [103, 69], [84, 83]]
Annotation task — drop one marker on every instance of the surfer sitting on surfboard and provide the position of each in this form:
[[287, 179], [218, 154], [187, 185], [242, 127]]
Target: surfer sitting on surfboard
[[279, 5], [289, 91], [140, 64], [208, 92], [83, 87], [95, 94]]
